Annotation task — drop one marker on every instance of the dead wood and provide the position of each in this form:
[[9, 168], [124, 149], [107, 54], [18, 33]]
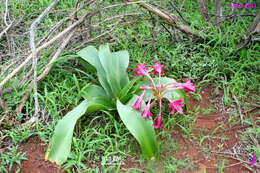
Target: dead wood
[[44, 73], [204, 9], [218, 12], [254, 28], [34, 52], [170, 19], [58, 36]]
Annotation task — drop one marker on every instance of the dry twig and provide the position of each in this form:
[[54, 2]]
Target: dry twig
[[44, 73], [204, 9], [171, 19], [239, 108], [218, 12], [58, 36], [34, 52], [250, 31], [6, 29]]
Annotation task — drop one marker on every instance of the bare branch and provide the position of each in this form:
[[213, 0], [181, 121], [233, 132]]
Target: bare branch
[[204, 9], [44, 73], [171, 19], [253, 28], [218, 12], [6, 29], [34, 51], [58, 36]]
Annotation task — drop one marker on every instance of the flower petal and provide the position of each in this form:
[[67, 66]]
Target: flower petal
[[138, 103]]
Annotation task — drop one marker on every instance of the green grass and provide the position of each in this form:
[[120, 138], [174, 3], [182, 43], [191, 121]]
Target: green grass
[[98, 136]]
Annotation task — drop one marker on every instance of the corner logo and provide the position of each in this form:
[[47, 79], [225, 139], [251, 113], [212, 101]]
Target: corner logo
[[240, 5]]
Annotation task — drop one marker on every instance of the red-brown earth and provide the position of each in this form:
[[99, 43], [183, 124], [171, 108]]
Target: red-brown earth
[[204, 126]]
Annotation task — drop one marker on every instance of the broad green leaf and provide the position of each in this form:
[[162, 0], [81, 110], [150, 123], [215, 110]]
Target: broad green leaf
[[90, 54], [111, 67], [94, 91], [115, 65], [125, 94], [122, 57], [140, 128], [60, 145]]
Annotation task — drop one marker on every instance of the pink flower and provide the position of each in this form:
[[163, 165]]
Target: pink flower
[[146, 87], [138, 103], [176, 105], [158, 68], [189, 86], [141, 70], [253, 160], [146, 111], [158, 122]]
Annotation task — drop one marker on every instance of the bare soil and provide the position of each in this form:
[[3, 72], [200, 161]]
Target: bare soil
[[35, 150], [204, 126], [209, 160]]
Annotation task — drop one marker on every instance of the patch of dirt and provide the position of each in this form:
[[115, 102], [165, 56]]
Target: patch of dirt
[[35, 150], [213, 136]]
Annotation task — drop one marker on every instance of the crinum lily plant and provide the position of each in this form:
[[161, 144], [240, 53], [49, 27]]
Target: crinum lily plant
[[132, 100]]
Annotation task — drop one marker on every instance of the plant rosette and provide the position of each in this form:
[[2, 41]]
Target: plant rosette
[[116, 92]]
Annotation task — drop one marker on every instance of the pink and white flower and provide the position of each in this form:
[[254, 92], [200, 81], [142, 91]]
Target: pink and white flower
[[146, 113], [176, 105], [158, 122], [138, 103], [141, 70], [187, 86], [158, 68]]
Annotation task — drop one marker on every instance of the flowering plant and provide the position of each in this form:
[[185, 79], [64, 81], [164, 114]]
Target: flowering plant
[[116, 92]]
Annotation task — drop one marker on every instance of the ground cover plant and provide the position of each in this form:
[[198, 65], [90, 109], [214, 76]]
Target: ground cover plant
[[219, 130]]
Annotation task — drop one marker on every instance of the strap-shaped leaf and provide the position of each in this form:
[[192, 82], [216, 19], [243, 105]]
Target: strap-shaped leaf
[[94, 91], [115, 65], [122, 59], [60, 145], [90, 54], [130, 88], [140, 128], [111, 67]]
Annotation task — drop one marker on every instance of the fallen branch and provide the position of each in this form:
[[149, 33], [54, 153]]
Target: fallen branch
[[58, 36], [44, 73], [34, 52], [171, 19], [218, 12], [253, 28], [204, 9], [6, 29]]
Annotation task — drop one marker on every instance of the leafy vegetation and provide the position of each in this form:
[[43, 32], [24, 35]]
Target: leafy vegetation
[[102, 135]]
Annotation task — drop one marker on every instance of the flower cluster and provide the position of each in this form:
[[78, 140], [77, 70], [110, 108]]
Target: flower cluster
[[159, 90]]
